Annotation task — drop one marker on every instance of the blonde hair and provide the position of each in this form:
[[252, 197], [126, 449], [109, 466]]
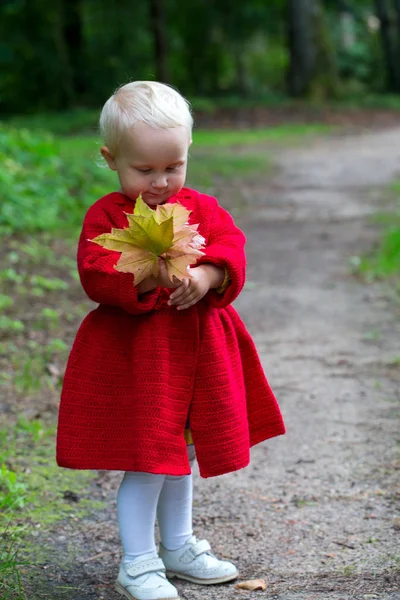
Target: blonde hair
[[156, 104]]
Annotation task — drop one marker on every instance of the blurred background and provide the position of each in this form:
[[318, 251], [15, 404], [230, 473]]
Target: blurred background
[[68, 54]]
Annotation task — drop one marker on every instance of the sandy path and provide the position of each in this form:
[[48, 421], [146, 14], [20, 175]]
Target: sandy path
[[315, 513]]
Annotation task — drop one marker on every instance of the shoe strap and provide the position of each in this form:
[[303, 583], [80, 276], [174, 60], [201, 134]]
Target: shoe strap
[[145, 566], [200, 547]]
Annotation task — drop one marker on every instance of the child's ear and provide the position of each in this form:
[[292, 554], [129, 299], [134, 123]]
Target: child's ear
[[108, 157]]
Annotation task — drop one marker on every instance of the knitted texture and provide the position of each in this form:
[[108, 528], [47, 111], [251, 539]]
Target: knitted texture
[[139, 368]]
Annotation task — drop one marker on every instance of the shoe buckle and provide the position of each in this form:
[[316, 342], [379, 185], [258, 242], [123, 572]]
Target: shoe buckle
[[194, 551]]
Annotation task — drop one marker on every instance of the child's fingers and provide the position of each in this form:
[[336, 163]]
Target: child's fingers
[[185, 298], [179, 291], [188, 302]]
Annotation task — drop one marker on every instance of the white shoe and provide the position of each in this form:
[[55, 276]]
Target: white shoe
[[145, 579], [195, 562]]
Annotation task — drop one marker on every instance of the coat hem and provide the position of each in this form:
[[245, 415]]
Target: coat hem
[[176, 472]]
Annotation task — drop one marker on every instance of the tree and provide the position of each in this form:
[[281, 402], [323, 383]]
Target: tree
[[397, 48], [301, 44], [157, 23], [72, 32], [312, 68], [389, 52]]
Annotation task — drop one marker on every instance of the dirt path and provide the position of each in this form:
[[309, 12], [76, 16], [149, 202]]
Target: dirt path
[[315, 513]]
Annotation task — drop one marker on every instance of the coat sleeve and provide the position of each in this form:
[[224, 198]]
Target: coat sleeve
[[101, 282], [225, 249]]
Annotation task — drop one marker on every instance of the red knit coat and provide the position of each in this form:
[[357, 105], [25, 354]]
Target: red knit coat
[[139, 368]]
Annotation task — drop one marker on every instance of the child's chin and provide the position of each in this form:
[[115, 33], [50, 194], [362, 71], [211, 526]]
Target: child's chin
[[154, 200]]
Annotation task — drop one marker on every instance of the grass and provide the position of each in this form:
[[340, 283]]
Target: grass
[[383, 261], [290, 132], [37, 485], [10, 565], [35, 334], [32, 497]]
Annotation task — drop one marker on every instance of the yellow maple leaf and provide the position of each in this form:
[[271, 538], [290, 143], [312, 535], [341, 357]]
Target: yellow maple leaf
[[151, 234]]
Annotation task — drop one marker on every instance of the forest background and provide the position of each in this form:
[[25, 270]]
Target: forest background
[[63, 54]]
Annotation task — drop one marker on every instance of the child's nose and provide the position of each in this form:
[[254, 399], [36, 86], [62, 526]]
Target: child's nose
[[160, 181]]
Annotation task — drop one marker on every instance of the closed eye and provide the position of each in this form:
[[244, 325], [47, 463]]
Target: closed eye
[[173, 168], [143, 170]]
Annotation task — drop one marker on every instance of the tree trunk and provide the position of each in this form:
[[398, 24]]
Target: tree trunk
[[389, 53], [301, 46], [397, 8], [397, 38], [157, 20], [325, 84], [73, 36], [66, 83]]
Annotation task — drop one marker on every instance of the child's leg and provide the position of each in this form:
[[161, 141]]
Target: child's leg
[[174, 511], [183, 555], [136, 506]]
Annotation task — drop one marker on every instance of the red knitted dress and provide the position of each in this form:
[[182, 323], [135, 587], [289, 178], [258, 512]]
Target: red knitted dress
[[139, 368]]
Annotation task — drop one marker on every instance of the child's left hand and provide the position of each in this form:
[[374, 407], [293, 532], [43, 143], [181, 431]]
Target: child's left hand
[[194, 288]]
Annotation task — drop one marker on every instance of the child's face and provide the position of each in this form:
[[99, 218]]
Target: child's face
[[151, 162]]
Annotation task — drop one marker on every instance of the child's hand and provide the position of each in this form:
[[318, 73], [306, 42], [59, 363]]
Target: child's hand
[[194, 288]]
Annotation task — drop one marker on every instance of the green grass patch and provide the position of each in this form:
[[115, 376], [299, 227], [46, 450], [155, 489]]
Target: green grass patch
[[205, 170], [10, 565], [35, 494], [40, 191], [383, 262], [35, 335], [290, 132], [31, 480], [79, 120]]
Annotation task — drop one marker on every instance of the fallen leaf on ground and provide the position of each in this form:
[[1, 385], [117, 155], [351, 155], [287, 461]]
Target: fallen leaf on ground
[[252, 585]]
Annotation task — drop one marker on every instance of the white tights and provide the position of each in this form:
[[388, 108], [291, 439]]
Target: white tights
[[142, 497]]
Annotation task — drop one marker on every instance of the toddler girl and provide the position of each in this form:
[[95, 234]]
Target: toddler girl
[[162, 371]]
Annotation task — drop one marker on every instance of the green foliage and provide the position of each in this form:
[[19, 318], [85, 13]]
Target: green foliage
[[358, 47], [48, 283], [209, 49], [67, 122], [40, 190], [12, 491], [383, 262], [8, 324], [5, 301]]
